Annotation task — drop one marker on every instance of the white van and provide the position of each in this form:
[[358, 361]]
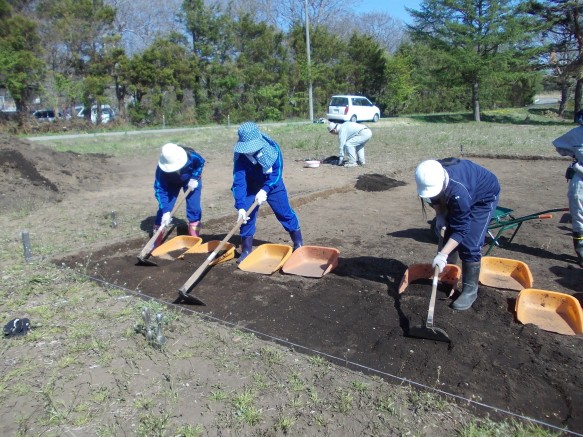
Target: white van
[[352, 108]]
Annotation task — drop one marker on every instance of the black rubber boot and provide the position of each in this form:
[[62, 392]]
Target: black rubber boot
[[578, 245], [296, 237], [246, 248], [470, 276]]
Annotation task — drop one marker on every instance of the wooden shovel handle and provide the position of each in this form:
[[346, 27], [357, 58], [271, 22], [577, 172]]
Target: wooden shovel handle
[[429, 322], [197, 274], [149, 247], [431, 310]]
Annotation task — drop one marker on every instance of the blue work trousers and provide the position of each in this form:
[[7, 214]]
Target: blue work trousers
[[193, 207], [279, 203], [470, 248]]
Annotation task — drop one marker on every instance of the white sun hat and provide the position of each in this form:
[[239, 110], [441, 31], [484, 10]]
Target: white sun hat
[[430, 177], [172, 158]]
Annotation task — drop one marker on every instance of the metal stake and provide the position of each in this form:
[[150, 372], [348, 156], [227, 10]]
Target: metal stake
[[113, 221], [26, 246]]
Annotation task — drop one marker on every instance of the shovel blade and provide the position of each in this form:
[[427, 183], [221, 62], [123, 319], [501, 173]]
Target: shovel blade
[[190, 298], [429, 333], [143, 261]]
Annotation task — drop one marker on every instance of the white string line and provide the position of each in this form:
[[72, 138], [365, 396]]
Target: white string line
[[343, 360]]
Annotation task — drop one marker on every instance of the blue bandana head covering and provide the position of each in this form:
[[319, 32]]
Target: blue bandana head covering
[[266, 156], [253, 142], [250, 138]]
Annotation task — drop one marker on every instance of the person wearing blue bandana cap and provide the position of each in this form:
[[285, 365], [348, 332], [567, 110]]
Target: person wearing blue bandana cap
[[258, 175]]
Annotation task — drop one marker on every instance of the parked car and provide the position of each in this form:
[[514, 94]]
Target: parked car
[[352, 108], [45, 115], [107, 113]]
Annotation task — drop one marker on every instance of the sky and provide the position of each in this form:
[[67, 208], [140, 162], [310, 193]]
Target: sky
[[395, 8]]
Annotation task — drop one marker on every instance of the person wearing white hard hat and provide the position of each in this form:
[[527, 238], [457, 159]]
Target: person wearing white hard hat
[[571, 144], [258, 176], [352, 138], [464, 196], [179, 168]]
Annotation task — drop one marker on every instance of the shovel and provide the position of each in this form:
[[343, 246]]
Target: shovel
[[184, 290], [144, 255], [429, 331]]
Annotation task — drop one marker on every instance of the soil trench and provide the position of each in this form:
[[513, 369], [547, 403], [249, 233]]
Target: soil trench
[[356, 314]]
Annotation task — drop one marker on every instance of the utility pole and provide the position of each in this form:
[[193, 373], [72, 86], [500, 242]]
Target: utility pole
[[310, 99]]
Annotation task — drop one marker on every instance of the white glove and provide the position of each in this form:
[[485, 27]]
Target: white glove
[[242, 216], [166, 219], [261, 197], [193, 184], [440, 261]]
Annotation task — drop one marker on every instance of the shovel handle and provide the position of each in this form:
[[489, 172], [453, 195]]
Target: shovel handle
[[431, 310], [197, 274], [149, 247], [429, 322]]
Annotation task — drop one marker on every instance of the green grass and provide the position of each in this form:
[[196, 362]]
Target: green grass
[[397, 143]]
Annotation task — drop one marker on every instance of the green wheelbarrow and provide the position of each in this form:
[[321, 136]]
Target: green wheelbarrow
[[503, 220]]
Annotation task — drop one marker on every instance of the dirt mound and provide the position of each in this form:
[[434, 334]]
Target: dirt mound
[[376, 182], [34, 174]]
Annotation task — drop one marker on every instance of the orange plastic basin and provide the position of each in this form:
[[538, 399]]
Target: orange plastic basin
[[505, 273], [177, 243], [228, 251], [311, 261], [266, 259], [550, 311]]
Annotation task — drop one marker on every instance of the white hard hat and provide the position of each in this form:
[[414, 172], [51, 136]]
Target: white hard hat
[[430, 177], [332, 126], [172, 158]]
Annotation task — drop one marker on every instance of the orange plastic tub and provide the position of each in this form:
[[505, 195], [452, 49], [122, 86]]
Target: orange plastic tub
[[176, 244], [550, 311], [266, 259], [505, 273], [228, 251], [311, 261]]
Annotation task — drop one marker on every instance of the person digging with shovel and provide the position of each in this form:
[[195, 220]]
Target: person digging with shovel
[[464, 196], [179, 167], [352, 137], [258, 176]]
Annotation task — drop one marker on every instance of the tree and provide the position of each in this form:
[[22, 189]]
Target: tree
[[21, 66], [565, 37], [368, 66], [478, 41], [78, 35], [328, 70], [164, 67], [263, 67]]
